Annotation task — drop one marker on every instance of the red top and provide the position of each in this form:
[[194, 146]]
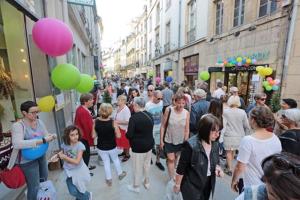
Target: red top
[[84, 120]]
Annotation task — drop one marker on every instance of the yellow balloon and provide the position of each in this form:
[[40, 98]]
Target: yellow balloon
[[269, 71], [170, 73], [94, 77], [259, 68], [46, 104]]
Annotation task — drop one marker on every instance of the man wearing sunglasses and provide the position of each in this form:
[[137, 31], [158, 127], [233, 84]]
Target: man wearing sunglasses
[[260, 100], [155, 107]]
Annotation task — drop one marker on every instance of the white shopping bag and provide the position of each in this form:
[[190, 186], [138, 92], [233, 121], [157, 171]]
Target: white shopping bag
[[171, 195], [47, 191]]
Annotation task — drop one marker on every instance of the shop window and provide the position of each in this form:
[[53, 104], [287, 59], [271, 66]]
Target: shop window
[[14, 64], [267, 7], [239, 11], [219, 16]]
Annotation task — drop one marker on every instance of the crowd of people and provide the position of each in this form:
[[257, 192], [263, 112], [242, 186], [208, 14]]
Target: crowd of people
[[192, 130]]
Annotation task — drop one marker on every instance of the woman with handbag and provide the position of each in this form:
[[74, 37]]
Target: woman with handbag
[[30, 132], [174, 131]]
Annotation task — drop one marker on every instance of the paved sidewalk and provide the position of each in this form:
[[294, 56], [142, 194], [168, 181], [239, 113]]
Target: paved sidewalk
[[118, 191]]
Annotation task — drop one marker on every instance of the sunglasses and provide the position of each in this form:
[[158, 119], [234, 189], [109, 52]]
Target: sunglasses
[[159, 98], [263, 99], [150, 90]]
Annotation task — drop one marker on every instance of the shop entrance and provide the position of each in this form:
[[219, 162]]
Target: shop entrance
[[241, 80]]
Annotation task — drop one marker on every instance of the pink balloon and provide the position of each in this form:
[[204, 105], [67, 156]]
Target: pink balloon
[[52, 36], [157, 79], [269, 79]]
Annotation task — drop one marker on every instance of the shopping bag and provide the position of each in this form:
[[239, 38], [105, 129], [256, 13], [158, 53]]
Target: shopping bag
[[170, 194], [47, 191]]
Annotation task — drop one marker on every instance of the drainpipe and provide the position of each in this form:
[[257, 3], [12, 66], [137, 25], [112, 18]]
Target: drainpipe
[[289, 41]]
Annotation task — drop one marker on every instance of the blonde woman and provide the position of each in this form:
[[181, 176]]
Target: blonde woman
[[122, 118], [236, 126], [107, 132]]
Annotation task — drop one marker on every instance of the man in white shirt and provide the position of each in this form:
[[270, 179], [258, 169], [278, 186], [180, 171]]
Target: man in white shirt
[[219, 91], [155, 107], [150, 91]]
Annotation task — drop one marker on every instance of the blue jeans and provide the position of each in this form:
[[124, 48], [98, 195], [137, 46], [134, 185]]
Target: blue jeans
[[75, 192], [35, 171]]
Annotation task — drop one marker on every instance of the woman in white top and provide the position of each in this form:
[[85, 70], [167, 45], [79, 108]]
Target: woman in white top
[[254, 148], [177, 132], [122, 118], [236, 126]]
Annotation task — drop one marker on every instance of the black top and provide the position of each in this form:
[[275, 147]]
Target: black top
[[193, 164], [139, 132], [106, 135], [290, 141]]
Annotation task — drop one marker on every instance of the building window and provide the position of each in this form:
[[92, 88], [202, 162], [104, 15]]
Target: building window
[[150, 24], [168, 35], [157, 14], [239, 12], [150, 49], [219, 17], [191, 35], [157, 44], [267, 7], [168, 4]]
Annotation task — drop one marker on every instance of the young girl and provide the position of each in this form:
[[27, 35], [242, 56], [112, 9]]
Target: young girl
[[107, 131], [77, 172]]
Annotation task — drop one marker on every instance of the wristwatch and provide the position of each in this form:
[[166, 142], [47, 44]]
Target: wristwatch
[[44, 140]]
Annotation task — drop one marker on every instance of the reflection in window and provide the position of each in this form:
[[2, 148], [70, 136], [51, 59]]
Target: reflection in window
[[267, 7], [239, 10], [13, 53]]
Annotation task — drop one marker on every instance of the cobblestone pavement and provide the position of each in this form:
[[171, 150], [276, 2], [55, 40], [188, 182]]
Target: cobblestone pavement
[[118, 191]]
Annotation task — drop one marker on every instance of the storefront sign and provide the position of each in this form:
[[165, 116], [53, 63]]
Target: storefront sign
[[82, 2], [258, 56], [191, 65]]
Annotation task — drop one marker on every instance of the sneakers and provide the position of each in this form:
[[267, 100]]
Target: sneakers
[[91, 196], [133, 189], [160, 166], [108, 182], [121, 176]]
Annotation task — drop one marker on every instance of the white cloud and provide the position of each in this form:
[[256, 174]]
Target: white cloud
[[116, 17]]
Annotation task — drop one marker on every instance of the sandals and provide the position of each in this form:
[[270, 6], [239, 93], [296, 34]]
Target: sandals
[[109, 182], [146, 184]]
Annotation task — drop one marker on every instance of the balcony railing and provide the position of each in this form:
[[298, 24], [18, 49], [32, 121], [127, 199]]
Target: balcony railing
[[191, 35], [167, 47]]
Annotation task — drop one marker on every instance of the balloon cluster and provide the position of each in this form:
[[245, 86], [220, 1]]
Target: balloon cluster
[[54, 38], [270, 84], [151, 73], [237, 61], [264, 71], [204, 75]]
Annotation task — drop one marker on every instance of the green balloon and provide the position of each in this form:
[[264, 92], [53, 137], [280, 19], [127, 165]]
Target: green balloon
[[268, 87], [265, 83], [86, 83], [204, 75], [65, 76]]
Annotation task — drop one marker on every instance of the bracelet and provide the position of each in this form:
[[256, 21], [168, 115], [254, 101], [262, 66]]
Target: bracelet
[[44, 140]]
